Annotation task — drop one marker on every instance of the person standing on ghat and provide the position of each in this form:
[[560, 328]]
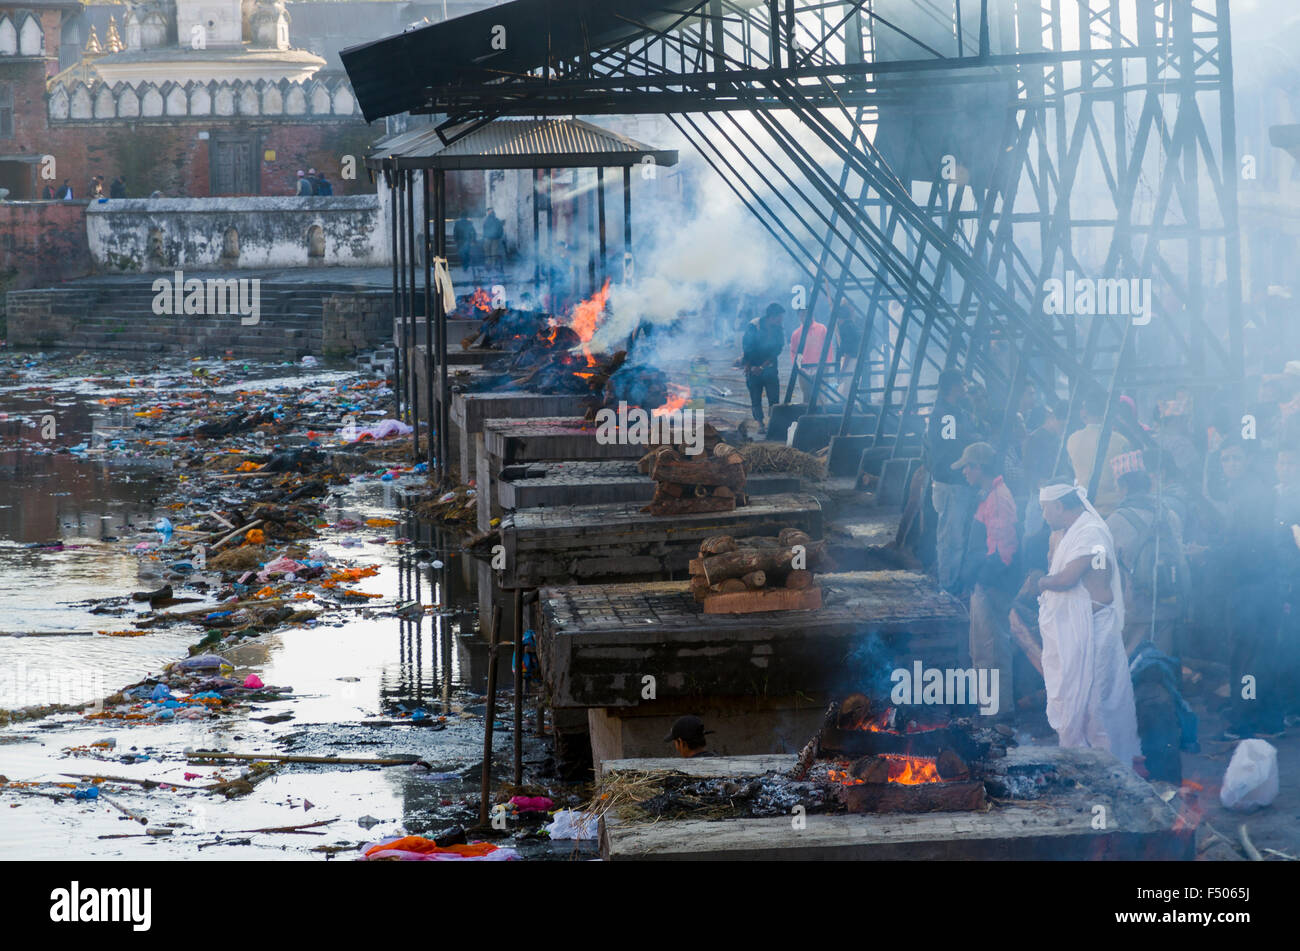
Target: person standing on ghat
[[760, 349], [1081, 618], [951, 429]]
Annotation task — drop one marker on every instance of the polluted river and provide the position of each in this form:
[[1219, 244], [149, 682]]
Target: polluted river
[[213, 576]]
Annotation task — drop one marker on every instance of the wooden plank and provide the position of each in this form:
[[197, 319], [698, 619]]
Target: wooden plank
[[767, 599]]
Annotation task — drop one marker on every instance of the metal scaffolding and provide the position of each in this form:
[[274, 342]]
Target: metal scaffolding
[[1094, 141]]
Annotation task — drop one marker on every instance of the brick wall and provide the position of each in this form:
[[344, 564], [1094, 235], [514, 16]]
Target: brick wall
[[43, 242]]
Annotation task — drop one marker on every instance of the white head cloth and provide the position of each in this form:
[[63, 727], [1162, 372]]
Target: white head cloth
[[1050, 493]]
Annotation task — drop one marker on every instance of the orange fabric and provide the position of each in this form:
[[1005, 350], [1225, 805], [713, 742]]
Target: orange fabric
[[418, 843]]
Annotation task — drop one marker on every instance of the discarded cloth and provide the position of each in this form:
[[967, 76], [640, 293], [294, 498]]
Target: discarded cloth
[[532, 803], [416, 848]]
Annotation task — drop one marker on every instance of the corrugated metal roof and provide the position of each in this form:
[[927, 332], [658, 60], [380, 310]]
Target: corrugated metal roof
[[395, 74], [518, 143]]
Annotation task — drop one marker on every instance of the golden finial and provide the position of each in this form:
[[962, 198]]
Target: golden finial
[[114, 41], [92, 45]]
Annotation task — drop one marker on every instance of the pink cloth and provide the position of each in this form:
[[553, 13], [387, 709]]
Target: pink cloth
[[532, 803], [812, 351], [253, 682], [998, 513]]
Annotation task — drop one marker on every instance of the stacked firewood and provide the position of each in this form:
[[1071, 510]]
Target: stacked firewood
[[759, 573], [710, 481]]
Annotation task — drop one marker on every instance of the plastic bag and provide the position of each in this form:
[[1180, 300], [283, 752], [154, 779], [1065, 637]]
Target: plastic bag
[[1251, 780], [573, 824]]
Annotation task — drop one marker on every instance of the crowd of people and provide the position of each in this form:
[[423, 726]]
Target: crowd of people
[[95, 189], [312, 182], [1189, 553]]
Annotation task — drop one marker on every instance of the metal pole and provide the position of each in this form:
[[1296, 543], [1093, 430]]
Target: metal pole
[[589, 201], [402, 302], [489, 714], [517, 652], [600, 202], [550, 240], [410, 256], [429, 330], [444, 405], [537, 235], [627, 214], [397, 350]]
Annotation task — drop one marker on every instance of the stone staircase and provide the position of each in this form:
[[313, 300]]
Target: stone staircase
[[118, 316]]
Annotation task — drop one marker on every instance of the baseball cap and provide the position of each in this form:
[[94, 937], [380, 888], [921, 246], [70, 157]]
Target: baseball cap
[[688, 728], [977, 454]]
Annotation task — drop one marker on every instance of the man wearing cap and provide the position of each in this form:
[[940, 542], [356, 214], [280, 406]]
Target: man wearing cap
[[990, 569], [304, 186], [1081, 617], [687, 737]]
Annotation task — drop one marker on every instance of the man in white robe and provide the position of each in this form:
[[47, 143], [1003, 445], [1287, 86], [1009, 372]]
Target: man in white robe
[[1089, 691]]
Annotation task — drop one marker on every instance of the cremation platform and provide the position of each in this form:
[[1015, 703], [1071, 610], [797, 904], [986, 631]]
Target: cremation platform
[[546, 546], [547, 484], [760, 680], [469, 410], [1133, 822], [511, 441]]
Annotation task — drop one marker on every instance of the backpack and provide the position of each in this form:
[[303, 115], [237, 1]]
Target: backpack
[[1168, 578]]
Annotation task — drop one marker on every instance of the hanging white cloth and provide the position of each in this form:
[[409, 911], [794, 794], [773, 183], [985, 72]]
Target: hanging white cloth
[[1085, 668], [442, 280]]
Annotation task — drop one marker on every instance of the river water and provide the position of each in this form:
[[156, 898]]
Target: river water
[[67, 523]]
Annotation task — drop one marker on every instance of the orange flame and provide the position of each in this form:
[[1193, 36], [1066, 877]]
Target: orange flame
[[481, 300], [905, 770], [678, 396], [586, 318]]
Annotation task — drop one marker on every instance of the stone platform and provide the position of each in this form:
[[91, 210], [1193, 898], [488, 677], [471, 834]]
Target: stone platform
[[1058, 826], [761, 680]]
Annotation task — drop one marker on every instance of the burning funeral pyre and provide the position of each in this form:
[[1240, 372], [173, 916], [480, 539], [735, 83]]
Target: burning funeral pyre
[[864, 759], [545, 353]]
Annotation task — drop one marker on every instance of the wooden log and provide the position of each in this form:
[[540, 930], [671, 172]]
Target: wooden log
[[723, 492], [755, 579], [706, 472], [742, 561], [281, 758], [724, 453], [699, 587], [799, 579], [669, 490], [766, 599], [925, 797], [756, 541], [730, 586], [789, 537], [871, 769], [951, 767], [717, 545]]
